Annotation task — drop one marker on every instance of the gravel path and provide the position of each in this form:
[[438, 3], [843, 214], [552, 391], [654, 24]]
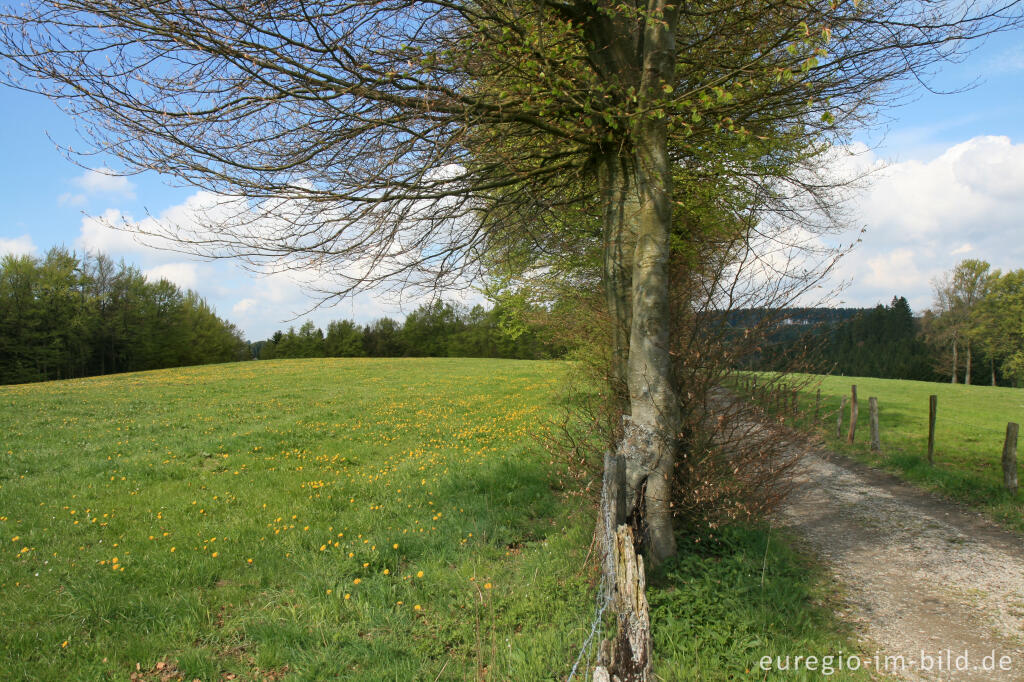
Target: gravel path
[[919, 574]]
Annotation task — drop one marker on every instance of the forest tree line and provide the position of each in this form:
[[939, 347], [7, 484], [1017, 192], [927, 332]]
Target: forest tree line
[[436, 329], [973, 334], [62, 317]]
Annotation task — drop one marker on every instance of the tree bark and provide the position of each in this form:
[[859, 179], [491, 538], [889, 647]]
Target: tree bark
[[953, 380], [615, 177], [967, 371], [992, 366], [636, 182]]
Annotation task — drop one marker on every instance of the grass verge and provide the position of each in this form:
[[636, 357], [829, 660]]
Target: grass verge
[[741, 593]]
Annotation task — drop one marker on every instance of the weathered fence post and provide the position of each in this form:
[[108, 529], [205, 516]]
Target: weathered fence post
[[817, 406], [628, 657], [876, 445], [853, 414], [933, 401], [1010, 458], [839, 418]]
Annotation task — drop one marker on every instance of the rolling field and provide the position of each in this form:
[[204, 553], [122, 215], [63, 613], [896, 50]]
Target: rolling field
[[350, 519], [969, 433], [344, 519]]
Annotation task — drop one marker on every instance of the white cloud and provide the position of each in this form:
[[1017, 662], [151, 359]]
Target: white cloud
[[97, 234], [69, 199], [185, 275], [922, 217], [18, 246], [896, 271], [244, 306], [103, 180]]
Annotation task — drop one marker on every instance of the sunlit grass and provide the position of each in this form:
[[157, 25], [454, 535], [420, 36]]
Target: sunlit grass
[[351, 519]]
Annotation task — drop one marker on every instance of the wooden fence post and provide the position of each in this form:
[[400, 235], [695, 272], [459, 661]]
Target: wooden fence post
[[1010, 458], [932, 409], [853, 414], [876, 445], [839, 418]]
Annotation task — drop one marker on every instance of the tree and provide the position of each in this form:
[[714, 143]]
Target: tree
[[344, 340], [371, 141], [957, 295], [999, 324]]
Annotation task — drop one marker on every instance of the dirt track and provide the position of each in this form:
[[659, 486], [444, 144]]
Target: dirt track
[[919, 574]]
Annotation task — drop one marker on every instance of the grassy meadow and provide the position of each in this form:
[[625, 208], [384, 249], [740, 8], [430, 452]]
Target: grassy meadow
[[363, 519], [969, 431], [352, 519]]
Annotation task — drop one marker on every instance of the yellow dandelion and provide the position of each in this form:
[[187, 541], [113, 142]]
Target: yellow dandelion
[[214, 555], [418, 607], [419, 574], [395, 546], [348, 596], [356, 581], [387, 571], [487, 586]]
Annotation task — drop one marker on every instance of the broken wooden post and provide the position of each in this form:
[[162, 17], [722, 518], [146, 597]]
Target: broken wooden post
[[1010, 458], [839, 418], [933, 401], [628, 657], [853, 414], [876, 446]]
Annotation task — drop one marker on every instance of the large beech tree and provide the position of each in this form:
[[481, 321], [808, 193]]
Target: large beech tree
[[373, 141]]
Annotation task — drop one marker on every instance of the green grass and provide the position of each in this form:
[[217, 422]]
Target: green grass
[[738, 594], [351, 519], [969, 433]]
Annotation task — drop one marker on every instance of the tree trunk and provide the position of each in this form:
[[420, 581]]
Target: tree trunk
[[992, 366], [615, 177], [635, 175], [653, 400], [953, 380], [967, 371]]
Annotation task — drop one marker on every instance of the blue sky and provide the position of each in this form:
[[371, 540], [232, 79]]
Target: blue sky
[[952, 187]]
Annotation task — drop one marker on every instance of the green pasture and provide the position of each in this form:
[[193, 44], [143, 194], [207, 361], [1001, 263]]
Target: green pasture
[[969, 434], [350, 519], [356, 519]]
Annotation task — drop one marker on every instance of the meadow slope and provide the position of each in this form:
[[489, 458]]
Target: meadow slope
[[359, 519]]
